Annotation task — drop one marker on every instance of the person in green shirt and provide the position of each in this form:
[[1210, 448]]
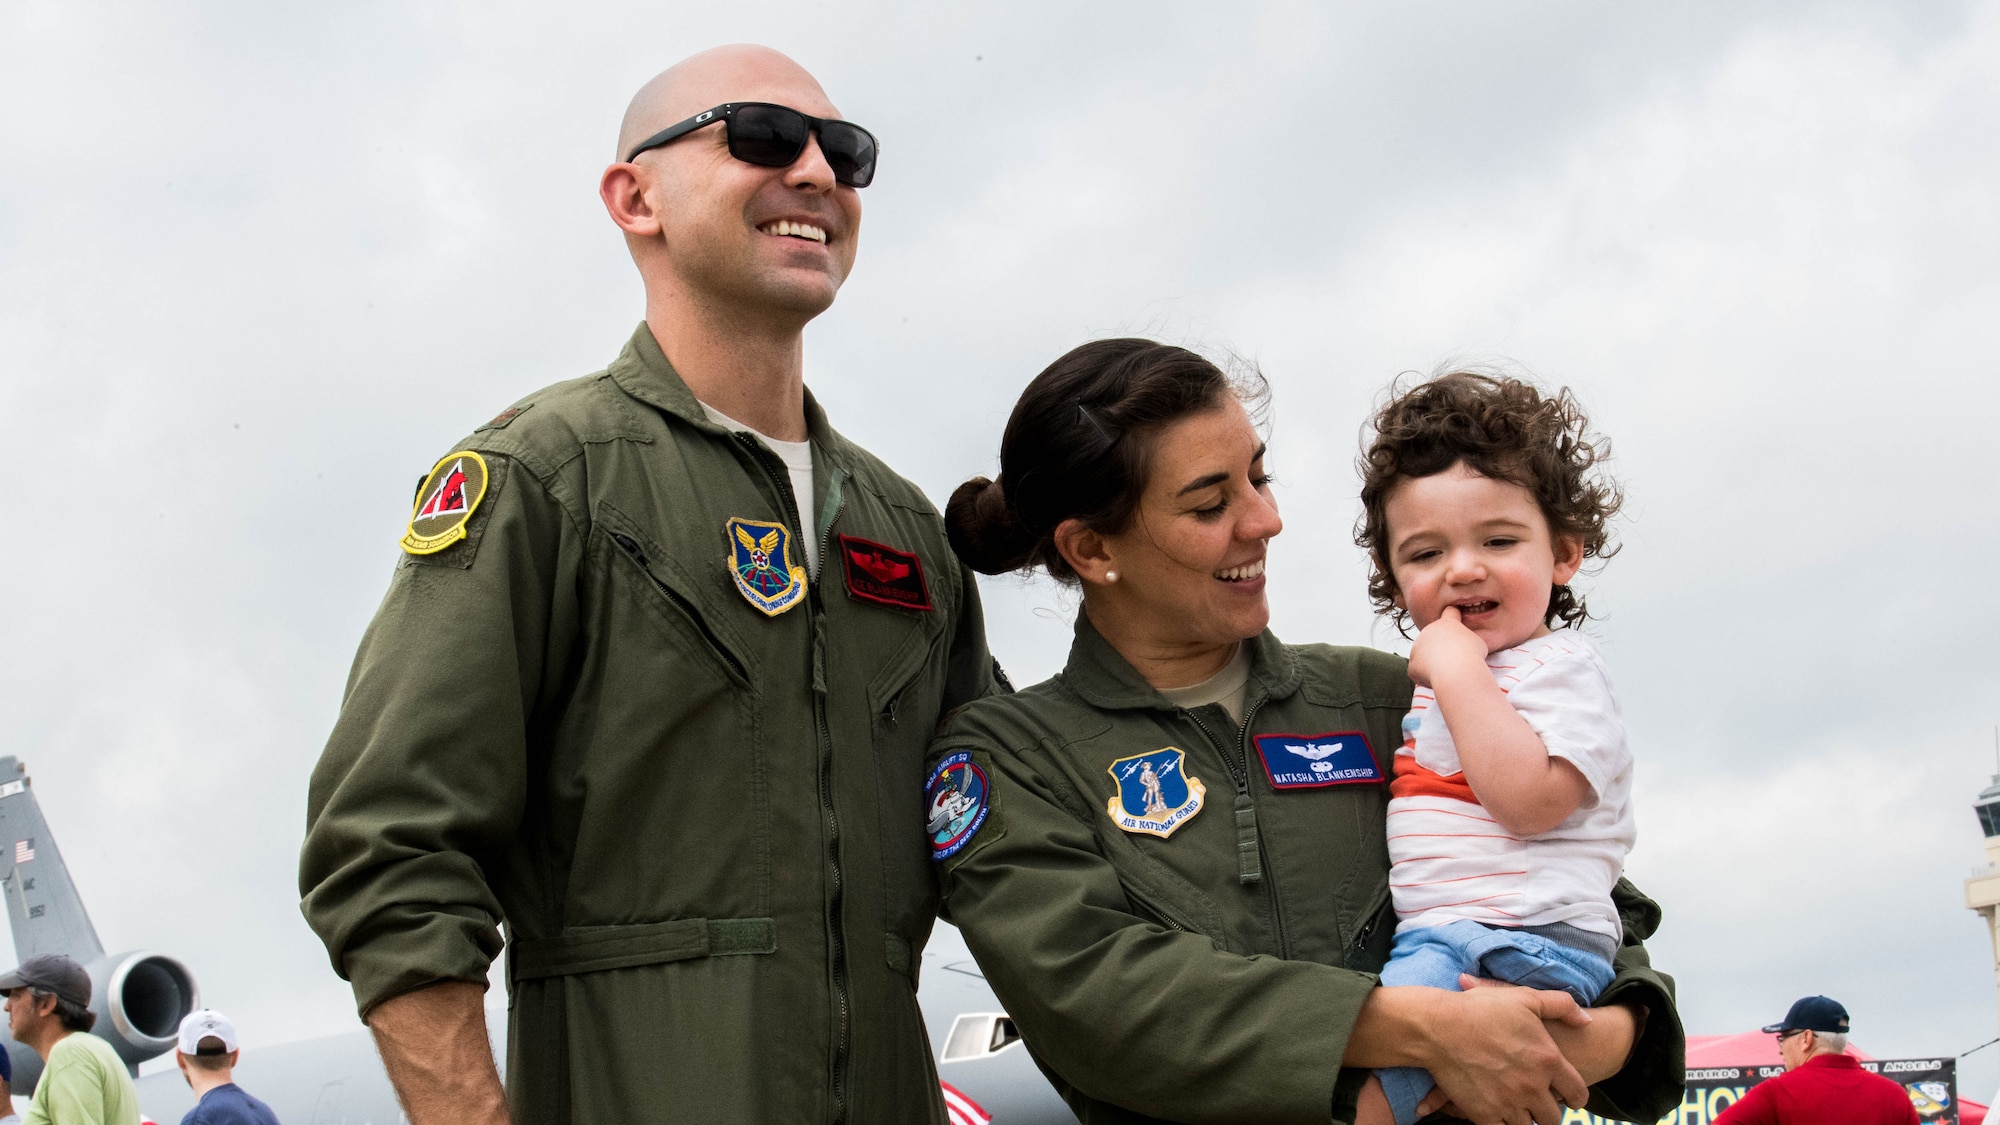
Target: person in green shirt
[[83, 1082]]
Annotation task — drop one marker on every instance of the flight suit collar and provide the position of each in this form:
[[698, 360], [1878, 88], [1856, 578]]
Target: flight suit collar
[[1105, 679], [642, 371]]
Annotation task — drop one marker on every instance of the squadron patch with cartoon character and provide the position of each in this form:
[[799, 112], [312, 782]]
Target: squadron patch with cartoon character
[[1311, 761], [445, 503], [761, 563], [1155, 793], [956, 803]]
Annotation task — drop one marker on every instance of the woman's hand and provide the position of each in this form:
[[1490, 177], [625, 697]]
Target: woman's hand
[[1597, 1050], [1488, 1049], [1500, 1063]]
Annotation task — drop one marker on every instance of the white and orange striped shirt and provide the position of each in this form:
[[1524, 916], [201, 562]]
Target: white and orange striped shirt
[[1450, 860]]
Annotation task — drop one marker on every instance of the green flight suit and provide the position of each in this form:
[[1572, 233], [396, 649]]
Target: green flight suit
[[697, 821], [1213, 974]]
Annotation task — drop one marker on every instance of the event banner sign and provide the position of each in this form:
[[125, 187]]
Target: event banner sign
[[1931, 1083]]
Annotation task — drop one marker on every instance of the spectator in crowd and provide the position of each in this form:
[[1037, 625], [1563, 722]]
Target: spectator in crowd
[[7, 1114], [207, 1055], [83, 1082], [1821, 1083]]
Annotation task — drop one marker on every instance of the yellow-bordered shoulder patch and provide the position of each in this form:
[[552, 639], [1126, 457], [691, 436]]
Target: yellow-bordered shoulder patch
[[445, 502], [760, 560], [1155, 792]]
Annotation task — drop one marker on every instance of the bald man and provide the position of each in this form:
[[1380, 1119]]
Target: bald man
[[652, 686]]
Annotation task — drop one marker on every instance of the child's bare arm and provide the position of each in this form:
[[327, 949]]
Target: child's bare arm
[[1509, 769]]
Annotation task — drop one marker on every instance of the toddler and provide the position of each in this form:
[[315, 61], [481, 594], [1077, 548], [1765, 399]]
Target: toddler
[[1510, 812]]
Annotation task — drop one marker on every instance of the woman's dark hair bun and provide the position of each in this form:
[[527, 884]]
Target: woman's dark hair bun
[[1077, 446], [983, 531]]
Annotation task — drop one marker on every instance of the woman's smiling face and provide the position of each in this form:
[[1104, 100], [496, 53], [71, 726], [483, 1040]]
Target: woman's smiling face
[[1190, 564]]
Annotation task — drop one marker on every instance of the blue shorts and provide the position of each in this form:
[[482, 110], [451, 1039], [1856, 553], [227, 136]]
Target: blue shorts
[[1434, 956]]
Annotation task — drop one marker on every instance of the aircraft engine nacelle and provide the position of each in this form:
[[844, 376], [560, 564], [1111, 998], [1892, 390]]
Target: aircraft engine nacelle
[[140, 999]]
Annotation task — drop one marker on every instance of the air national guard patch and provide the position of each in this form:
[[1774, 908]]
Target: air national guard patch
[[884, 575], [761, 562], [956, 802], [445, 503], [1310, 761], [1155, 793]]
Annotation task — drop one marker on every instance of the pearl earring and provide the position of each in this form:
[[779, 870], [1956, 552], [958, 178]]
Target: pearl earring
[[1111, 576]]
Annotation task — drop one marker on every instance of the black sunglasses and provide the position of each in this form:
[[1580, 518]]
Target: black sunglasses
[[775, 135]]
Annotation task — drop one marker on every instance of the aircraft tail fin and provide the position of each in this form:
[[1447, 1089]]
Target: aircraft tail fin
[[43, 908]]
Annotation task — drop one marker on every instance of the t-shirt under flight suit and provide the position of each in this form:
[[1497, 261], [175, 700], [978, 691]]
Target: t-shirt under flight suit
[[607, 718]]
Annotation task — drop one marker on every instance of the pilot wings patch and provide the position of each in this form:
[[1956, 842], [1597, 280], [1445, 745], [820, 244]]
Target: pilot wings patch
[[1311, 761]]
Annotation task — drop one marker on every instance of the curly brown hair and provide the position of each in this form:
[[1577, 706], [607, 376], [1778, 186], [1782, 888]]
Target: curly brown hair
[[1499, 427]]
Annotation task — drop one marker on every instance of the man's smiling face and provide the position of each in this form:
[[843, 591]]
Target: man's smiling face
[[750, 236]]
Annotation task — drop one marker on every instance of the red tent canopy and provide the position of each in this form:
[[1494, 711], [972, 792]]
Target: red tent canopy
[[1750, 1048], [1757, 1048]]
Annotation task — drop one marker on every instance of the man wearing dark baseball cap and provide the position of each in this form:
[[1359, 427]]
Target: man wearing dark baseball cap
[[1822, 1083], [83, 1082]]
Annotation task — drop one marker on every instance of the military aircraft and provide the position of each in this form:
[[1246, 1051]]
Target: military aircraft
[[140, 998]]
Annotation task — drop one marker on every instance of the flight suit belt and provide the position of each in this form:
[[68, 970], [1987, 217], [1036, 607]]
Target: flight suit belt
[[595, 949]]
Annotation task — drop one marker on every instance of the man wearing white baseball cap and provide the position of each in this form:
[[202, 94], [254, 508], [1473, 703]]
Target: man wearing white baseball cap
[[206, 1055]]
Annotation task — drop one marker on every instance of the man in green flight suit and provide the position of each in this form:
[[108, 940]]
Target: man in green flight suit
[[653, 684]]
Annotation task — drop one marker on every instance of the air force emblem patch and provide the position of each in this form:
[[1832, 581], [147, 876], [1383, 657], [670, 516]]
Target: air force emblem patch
[[1309, 761], [445, 503], [761, 562], [956, 803], [1155, 793]]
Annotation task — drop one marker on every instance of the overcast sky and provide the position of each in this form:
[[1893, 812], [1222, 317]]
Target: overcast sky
[[261, 264]]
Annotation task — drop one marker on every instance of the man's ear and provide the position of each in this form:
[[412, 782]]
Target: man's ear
[[1085, 551], [623, 190], [1569, 558]]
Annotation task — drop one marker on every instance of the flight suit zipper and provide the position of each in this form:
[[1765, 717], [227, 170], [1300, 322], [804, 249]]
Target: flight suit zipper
[[1249, 841], [1249, 851], [1277, 901], [780, 479], [1370, 914], [637, 554]]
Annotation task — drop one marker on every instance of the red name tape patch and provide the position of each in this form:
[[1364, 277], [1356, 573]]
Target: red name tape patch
[[884, 575]]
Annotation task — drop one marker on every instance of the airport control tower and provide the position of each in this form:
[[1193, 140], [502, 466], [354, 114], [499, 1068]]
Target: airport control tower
[[1982, 890]]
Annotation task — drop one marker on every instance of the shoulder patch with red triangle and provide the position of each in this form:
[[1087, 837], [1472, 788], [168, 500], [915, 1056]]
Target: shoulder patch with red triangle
[[445, 503]]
